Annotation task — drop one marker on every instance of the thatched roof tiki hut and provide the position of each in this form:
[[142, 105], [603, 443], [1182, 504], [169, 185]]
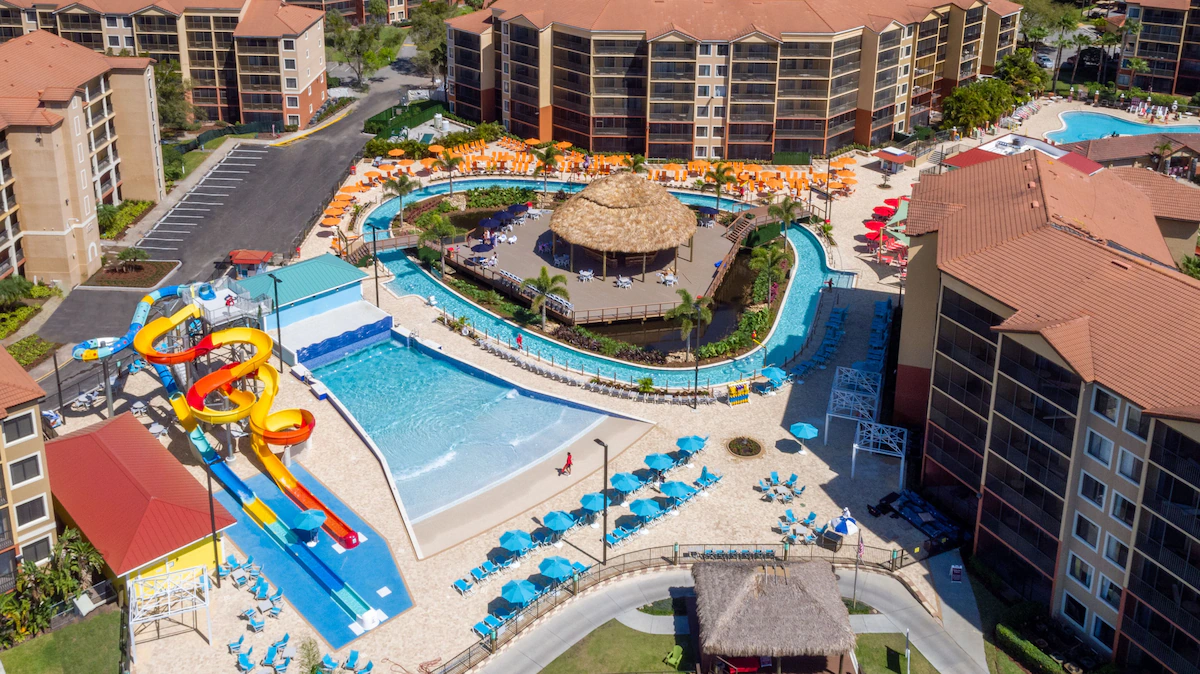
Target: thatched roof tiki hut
[[623, 213], [789, 612]]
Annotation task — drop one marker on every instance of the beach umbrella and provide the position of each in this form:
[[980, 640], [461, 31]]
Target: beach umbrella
[[503, 215], [489, 223], [373, 174], [518, 208], [691, 444], [708, 210], [675, 489], [804, 431], [562, 145], [519, 592], [874, 225], [645, 508], [891, 202], [331, 222], [333, 211], [659, 462], [515, 540], [847, 159], [625, 482], [846, 526], [558, 521], [387, 168], [396, 152], [594, 502], [481, 247], [850, 181], [532, 141], [309, 520], [558, 568], [436, 149], [874, 236], [776, 375]]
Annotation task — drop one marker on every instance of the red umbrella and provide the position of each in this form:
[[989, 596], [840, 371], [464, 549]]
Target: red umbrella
[[875, 225], [874, 236], [884, 211], [894, 203]]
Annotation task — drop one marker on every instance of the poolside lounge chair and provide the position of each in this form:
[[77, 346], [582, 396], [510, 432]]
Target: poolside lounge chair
[[249, 565], [542, 538], [811, 519], [763, 486], [223, 572], [774, 478], [480, 629], [277, 597], [282, 667], [464, 588], [231, 563], [580, 569], [788, 518], [244, 663], [328, 664], [274, 611], [351, 662], [272, 653], [235, 647], [489, 568], [479, 574], [248, 613], [800, 491], [366, 670], [493, 622], [261, 591], [674, 657], [282, 642], [257, 624], [769, 497]]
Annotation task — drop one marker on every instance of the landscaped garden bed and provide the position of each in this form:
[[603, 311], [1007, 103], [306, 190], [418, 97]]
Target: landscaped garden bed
[[31, 351], [114, 220], [145, 274], [745, 447]]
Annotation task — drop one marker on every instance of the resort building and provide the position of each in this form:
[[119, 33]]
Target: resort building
[[27, 528], [1140, 150], [730, 79], [77, 129], [133, 500], [1169, 42], [1042, 352], [248, 60]]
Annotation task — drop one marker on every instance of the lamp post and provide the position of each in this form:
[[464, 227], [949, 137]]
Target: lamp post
[[375, 256], [212, 519], [278, 325], [604, 495]]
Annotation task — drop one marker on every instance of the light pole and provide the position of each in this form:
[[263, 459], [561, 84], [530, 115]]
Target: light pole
[[375, 256], [696, 357], [604, 495], [278, 325], [212, 519]]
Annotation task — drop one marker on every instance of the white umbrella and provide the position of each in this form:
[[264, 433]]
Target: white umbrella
[[846, 526]]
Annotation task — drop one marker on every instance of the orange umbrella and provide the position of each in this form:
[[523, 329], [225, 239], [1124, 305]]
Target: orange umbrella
[[428, 161], [848, 160], [405, 162], [672, 167], [752, 168], [820, 176], [386, 167], [532, 141], [340, 201], [331, 222], [835, 185], [562, 145], [333, 211], [850, 181], [397, 152], [373, 174], [436, 148]]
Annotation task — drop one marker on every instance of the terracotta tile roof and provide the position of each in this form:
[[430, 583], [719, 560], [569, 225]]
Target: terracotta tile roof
[[975, 155], [1179, 5], [1004, 7], [1040, 240], [247, 256], [274, 18], [16, 386], [475, 22], [718, 19], [129, 496], [1170, 198], [1132, 147]]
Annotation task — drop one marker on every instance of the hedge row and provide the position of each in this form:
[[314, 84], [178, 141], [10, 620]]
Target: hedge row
[[1029, 656]]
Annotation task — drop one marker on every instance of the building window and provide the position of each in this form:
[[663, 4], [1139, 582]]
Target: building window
[[111, 21], [25, 470], [903, 90], [293, 101], [506, 106], [702, 90], [705, 71], [289, 45], [1105, 404], [114, 41], [37, 551], [722, 50], [1109, 592], [1099, 448], [718, 132], [903, 105], [1074, 610], [504, 28], [1087, 531], [900, 125], [719, 111], [717, 151], [1136, 423], [702, 132], [1103, 632], [31, 16], [719, 91], [908, 31], [127, 22], [706, 50], [1080, 570], [291, 82], [1123, 509], [289, 64], [904, 71], [1129, 466], [128, 40], [19, 428], [294, 120], [504, 49], [1092, 489], [702, 111], [31, 511], [1115, 551], [701, 151], [907, 52], [722, 71], [506, 68]]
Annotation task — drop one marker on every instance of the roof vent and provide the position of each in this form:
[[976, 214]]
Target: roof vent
[[1031, 184], [1121, 264], [1035, 204]]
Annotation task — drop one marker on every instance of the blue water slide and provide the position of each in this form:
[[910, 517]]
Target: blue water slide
[[105, 347]]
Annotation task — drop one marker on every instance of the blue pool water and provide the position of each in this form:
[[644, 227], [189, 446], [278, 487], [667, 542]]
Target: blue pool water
[[788, 336], [448, 430], [1092, 125]]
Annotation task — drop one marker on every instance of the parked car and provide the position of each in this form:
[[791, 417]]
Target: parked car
[[1043, 60]]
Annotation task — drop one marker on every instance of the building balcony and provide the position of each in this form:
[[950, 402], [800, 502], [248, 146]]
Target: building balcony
[[673, 75], [672, 96], [1029, 509], [1168, 559], [819, 52], [753, 77], [528, 99], [800, 133], [805, 73], [105, 164], [3, 145], [260, 87], [839, 128], [263, 106], [1156, 647], [751, 117], [766, 96], [1165, 605], [749, 138], [670, 138], [525, 78], [1029, 551], [671, 117], [271, 69], [97, 117]]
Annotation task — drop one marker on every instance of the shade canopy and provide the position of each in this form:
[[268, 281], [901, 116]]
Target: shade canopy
[[594, 502], [625, 482], [708, 210], [489, 223], [309, 520], [558, 568], [900, 215], [518, 208], [659, 461], [516, 540], [645, 507], [624, 213], [558, 521], [691, 444], [396, 152], [804, 431], [675, 489], [846, 526], [519, 592], [436, 149], [776, 375]]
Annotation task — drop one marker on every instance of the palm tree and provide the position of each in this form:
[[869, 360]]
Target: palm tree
[[1106, 41], [691, 312], [635, 163], [1190, 265], [1081, 41], [448, 163], [546, 157], [1163, 150], [825, 230], [400, 186], [769, 259], [1067, 23], [438, 230], [1130, 29], [1138, 66], [106, 216], [12, 290], [718, 177], [545, 285], [1059, 43], [784, 211]]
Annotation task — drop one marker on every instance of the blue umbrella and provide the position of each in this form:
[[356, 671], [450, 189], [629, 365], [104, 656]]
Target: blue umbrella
[[675, 489], [309, 520], [846, 526], [519, 592], [481, 247], [489, 223], [776, 375], [708, 210], [515, 540], [659, 462], [805, 431], [518, 208], [625, 482], [558, 568], [503, 215], [558, 520], [645, 508], [594, 502], [691, 444]]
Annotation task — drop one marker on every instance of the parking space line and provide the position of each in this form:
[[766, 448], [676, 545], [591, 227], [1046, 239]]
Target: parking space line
[[219, 187], [207, 194], [177, 224], [242, 149], [181, 208], [203, 203], [220, 178], [155, 247], [221, 170], [230, 163], [170, 231], [159, 238], [183, 215]]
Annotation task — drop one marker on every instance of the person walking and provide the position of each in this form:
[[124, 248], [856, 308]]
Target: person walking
[[566, 469]]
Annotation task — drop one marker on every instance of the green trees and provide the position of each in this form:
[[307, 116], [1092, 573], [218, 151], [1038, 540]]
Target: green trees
[[635, 163], [546, 157], [400, 186], [769, 260], [361, 48], [784, 211], [130, 258], [1063, 24], [429, 35], [1106, 42], [437, 228], [977, 104], [717, 178], [40, 589], [1138, 66], [691, 312], [13, 289], [1190, 265], [448, 163], [378, 10], [1019, 71], [1081, 41], [175, 111], [1163, 150], [544, 285]]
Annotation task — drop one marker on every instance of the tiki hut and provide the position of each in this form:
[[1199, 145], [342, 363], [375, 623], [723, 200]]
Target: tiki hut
[[789, 612], [623, 214]]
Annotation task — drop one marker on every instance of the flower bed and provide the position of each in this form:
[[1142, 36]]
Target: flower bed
[[141, 275], [31, 350], [127, 214], [11, 321], [582, 338]]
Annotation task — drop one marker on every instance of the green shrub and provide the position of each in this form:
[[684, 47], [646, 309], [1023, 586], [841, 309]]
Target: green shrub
[[1020, 615], [792, 158], [30, 350], [10, 321], [126, 213], [498, 197], [172, 160], [428, 255], [750, 323], [645, 384], [1024, 652], [762, 288], [41, 291], [379, 147]]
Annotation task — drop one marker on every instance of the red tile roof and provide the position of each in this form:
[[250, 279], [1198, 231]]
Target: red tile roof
[[274, 18], [1040, 240], [1170, 198], [16, 386], [1132, 147], [975, 155], [250, 256], [128, 495]]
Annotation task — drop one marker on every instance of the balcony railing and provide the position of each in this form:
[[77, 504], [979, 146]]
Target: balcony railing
[[262, 106], [790, 92], [3, 145], [751, 117], [839, 128], [531, 99], [1155, 646], [757, 96], [677, 75], [619, 91], [1168, 559], [259, 68], [805, 73], [670, 137], [1023, 505], [672, 95], [1165, 605], [671, 116], [246, 49], [753, 77], [1184, 518], [749, 137], [1017, 542], [843, 89], [800, 133]]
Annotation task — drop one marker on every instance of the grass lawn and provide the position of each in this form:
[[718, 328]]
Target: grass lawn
[[193, 159], [613, 647], [858, 608], [671, 606], [885, 653], [89, 646], [990, 611]]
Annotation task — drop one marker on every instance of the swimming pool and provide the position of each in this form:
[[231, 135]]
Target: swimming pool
[[1091, 125], [448, 431]]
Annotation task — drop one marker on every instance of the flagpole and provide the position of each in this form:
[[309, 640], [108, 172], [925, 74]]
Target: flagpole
[[857, 559]]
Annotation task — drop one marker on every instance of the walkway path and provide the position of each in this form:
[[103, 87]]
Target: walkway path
[[952, 649]]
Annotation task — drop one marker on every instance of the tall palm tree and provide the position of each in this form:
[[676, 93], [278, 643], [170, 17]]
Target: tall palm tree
[[545, 285], [12, 290], [784, 211], [546, 157], [438, 229], [1066, 24], [1163, 150], [1059, 43], [635, 163], [400, 186], [718, 177], [1138, 66], [1106, 41], [1081, 41], [769, 259], [691, 312], [448, 163], [1131, 28]]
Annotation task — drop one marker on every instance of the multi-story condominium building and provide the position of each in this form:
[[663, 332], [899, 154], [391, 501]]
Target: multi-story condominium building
[[248, 60], [738, 79], [27, 529], [77, 129], [1169, 42], [1045, 352]]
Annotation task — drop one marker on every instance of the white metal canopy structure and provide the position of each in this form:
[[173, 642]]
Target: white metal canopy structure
[[165, 596], [880, 439], [854, 395]]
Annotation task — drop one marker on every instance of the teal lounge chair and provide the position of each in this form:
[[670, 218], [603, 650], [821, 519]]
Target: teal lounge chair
[[351, 662], [464, 588], [274, 611], [282, 642], [282, 667], [232, 563], [257, 624], [235, 647], [244, 663], [482, 630], [774, 478], [269, 661], [261, 592], [791, 481], [366, 670], [788, 517], [328, 664], [277, 597]]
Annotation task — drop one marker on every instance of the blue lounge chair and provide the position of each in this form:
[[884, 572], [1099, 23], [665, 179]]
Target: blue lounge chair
[[482, 630], [274, 611], [232, 563], [277, 597], [328, 664], [235, 647], [248, 613], [244, 663], [769, 497], [366, 670], [261, 591], [282, 667], [464, 588], [612, 540], [786, 497], [580, 569], [478, 574], [351, 662], [257, 624], [282, 642], [800, 491], [489, 568], [789, 518], [239, 579], [250, 566], [763, 486], [272, 653], [791, 481], [223, 571], [811, 519], [492, 622], [774, 478]]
